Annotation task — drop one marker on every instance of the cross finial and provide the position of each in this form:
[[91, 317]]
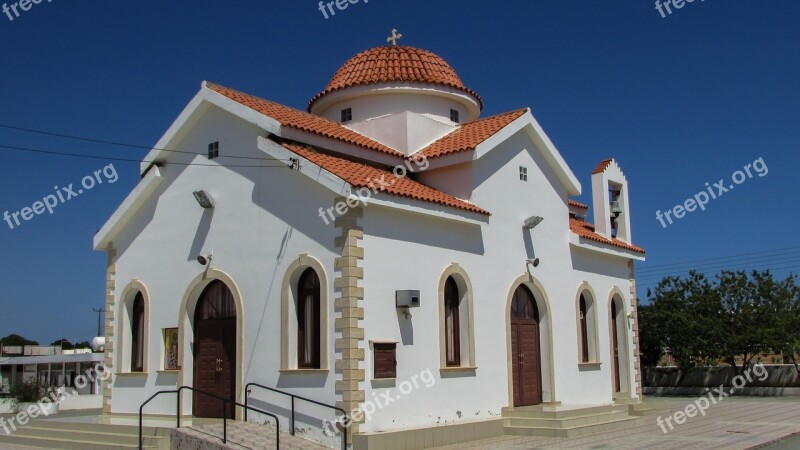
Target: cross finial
[[394, 37]]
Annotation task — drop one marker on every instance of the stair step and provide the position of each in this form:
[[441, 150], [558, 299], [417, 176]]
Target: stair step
[[576, 431], [98, 435], [577, 421], [539, 413], [67, 444]]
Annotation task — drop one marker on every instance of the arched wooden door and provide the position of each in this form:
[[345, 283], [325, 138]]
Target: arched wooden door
[[215, 351], [526, 360]]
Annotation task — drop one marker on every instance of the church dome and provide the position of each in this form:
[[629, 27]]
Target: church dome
[[395, 64]]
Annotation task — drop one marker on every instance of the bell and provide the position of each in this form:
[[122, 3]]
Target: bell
[[615, 209]]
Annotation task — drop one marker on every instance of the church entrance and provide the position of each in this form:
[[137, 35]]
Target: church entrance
[[526, 364], [215, 351]]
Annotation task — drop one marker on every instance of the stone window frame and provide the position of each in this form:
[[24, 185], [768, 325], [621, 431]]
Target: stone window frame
[[466, 319]]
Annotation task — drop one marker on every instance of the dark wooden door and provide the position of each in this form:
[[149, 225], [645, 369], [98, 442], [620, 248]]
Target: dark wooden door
[[215, 352], [615, 345], [525, 349]]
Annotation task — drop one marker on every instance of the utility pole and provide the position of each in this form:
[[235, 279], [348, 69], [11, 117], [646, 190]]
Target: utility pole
[[99, 312]]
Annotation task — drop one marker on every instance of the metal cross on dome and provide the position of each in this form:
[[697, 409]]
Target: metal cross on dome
[[394, 37]]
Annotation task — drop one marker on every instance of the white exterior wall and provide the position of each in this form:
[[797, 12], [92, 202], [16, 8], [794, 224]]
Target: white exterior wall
[[405, 251], [251, 242], [384, 103]]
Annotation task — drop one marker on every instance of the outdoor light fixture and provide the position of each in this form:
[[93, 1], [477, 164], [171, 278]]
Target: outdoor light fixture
[[204, 199], [205, 259], [534, 262], [531, 222]]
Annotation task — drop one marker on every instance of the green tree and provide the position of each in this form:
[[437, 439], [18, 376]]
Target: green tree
[[16, 340]]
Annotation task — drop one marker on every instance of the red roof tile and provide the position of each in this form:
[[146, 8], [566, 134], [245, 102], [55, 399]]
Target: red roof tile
[[472, 134], [361, 175], [586, 230], [577, 204], [603, 166], [293, 118], [394, 64]]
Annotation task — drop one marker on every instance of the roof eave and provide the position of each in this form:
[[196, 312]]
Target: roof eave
[[607, 249], [127, 209], [341, 187]]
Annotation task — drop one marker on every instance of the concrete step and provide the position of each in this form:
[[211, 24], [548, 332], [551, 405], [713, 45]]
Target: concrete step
[[89, 436], [576, 431], [569, 422], [98, 434], [67, 444], [548, 412]]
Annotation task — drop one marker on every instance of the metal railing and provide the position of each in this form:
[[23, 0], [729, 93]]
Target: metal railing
[[293, 397], [225, 403]]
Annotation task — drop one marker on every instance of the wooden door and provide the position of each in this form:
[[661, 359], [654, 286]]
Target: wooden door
[[215, 352], [615, 346], [525, 349]]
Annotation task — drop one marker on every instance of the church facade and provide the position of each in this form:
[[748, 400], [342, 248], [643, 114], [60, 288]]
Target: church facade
[[388, 251]]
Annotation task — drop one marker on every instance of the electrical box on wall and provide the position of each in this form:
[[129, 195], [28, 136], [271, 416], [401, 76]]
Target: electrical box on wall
[[407, 299]]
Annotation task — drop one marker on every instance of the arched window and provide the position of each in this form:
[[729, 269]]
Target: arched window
[[308, 321], [584, 330], [586, 311], [452, 324], [137, 334]]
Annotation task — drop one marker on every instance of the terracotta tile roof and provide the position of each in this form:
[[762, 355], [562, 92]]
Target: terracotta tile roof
[[586, 230], [472, 134], [603, 166], [577, 204], [361, 175], [394, 64], [300, 120]]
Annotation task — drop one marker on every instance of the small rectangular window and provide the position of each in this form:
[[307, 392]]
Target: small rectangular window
[[454, 115], [347, 115], [385, 360], [523, 173], [213, 150]]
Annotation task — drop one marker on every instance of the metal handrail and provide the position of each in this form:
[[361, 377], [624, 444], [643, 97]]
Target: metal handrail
[[293, 396], [224, 413]]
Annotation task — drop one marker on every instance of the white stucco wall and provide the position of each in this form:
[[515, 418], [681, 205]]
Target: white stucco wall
[[493, 256], [251, 241]]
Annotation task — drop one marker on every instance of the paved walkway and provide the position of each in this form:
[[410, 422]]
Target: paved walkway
[[241, 436], [734, 423]]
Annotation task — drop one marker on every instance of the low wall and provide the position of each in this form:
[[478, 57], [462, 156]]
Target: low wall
[[75, 402], [780, 380]]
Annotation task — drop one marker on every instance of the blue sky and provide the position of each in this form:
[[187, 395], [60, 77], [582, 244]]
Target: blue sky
[[678, 101]]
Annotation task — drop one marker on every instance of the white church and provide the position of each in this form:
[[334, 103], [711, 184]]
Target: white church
[[388, 250]]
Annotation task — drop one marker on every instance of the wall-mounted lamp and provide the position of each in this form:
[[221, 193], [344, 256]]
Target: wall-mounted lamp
[[205, 258], [534, 262], [531, 222], [204, 199]]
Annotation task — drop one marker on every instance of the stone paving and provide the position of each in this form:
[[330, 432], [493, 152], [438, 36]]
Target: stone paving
[[734, 423], [241, 435]]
